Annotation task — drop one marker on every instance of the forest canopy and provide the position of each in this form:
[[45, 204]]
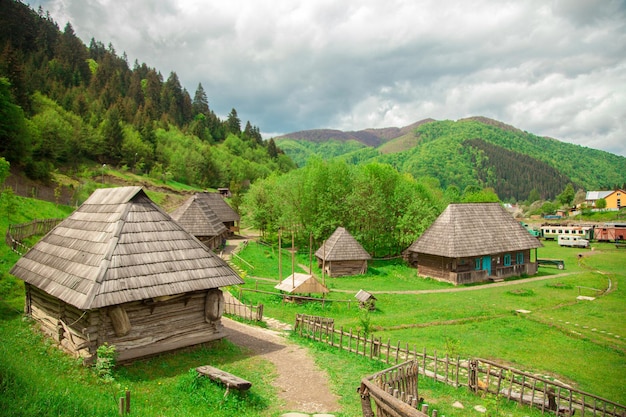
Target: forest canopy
[[65, 105], [382, 208]]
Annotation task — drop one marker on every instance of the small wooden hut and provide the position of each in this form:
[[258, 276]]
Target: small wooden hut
[[341, 255], [474, 242], [224, 212], [196, 217], [120, 271], [299, 283], [366, 300]]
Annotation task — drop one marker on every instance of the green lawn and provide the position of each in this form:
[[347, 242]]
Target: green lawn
[[582, 342]]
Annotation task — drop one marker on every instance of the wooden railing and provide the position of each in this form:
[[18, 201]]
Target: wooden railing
[[479, 375], [394, 391], [537, 391], [17, 233], [245, 311]]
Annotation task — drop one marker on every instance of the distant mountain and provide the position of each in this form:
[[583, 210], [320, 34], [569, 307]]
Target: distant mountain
[[475, 151], [368, 137]]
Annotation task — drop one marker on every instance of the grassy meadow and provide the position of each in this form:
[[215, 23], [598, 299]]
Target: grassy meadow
[[572, 340], [579, 342]]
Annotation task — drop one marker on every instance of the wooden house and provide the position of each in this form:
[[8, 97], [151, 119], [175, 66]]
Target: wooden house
[[474, 242], [120, 271], [342, 255], [196, 217], [299, 283], [224, 212]]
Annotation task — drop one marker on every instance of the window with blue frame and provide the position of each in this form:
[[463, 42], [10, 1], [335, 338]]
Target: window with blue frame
[[477, 264], [520, 258], [507, 259]]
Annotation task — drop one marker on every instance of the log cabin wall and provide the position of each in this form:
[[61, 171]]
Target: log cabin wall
[[155, 327], [344, 268], [162, 326], [434, 267], [76, 331]]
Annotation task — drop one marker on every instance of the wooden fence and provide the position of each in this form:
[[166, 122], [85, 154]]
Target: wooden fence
[[394, 391], [476, 374], [245, 311], [17, 233]]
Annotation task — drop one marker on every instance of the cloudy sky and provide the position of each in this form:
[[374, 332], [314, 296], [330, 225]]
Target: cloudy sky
[[551, 67]]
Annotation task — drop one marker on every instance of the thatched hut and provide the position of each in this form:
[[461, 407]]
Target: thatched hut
[[342, 255], [120, 271], [196, 217], [299, 283], [224, 212], [474, 242]]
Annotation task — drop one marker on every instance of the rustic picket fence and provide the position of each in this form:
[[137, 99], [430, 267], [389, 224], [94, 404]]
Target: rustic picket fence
[[245, 311], [479, 375], [17, 233]]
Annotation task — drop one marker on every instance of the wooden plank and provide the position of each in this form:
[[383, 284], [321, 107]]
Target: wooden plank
[[228, 379]]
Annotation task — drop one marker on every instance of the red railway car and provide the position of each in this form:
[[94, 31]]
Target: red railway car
[[610, 232]]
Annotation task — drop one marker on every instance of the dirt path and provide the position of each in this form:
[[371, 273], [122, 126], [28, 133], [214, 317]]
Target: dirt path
[[301, 385]]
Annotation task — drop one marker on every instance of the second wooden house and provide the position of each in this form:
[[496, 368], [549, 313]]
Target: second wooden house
[[199, 219], [474, 242], [225, 213], [341, 255]]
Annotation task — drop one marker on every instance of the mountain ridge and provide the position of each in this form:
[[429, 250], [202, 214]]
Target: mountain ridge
[[474, 151]]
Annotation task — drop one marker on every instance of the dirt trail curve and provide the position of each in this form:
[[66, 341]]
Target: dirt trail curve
[[301, 385]]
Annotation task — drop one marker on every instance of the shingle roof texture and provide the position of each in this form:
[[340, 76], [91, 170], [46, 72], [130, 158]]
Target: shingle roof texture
[[119, 247], [474, 229], [342, 246]]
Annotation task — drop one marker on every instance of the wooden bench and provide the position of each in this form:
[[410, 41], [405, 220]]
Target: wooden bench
[[230, 380], [620, 245]]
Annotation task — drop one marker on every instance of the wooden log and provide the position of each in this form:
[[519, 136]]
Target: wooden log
[[228, 379]]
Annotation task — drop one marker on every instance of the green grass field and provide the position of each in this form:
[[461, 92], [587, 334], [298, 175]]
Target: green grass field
[[575, 341], [581, 342]]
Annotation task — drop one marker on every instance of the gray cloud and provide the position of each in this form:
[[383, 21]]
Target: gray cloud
[[552, 68]]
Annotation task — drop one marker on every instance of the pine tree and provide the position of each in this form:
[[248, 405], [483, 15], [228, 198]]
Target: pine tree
[[200, 101]]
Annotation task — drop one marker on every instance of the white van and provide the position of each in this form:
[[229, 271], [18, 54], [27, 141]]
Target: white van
[[573, 241]]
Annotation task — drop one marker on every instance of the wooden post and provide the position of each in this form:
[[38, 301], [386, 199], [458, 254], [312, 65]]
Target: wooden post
[[121, 406], [280, 257], [341, 338], [311, 253], [388, 349], [366, 404], [293, 266], [324, 263], [127, 402]]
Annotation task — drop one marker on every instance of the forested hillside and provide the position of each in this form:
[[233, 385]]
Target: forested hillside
[[69, 106], [479, 152]]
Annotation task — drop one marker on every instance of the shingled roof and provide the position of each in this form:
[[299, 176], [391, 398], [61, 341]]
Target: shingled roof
[[118, 247], [341, 246], [198, 218], [216, 202], [474, 229]]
